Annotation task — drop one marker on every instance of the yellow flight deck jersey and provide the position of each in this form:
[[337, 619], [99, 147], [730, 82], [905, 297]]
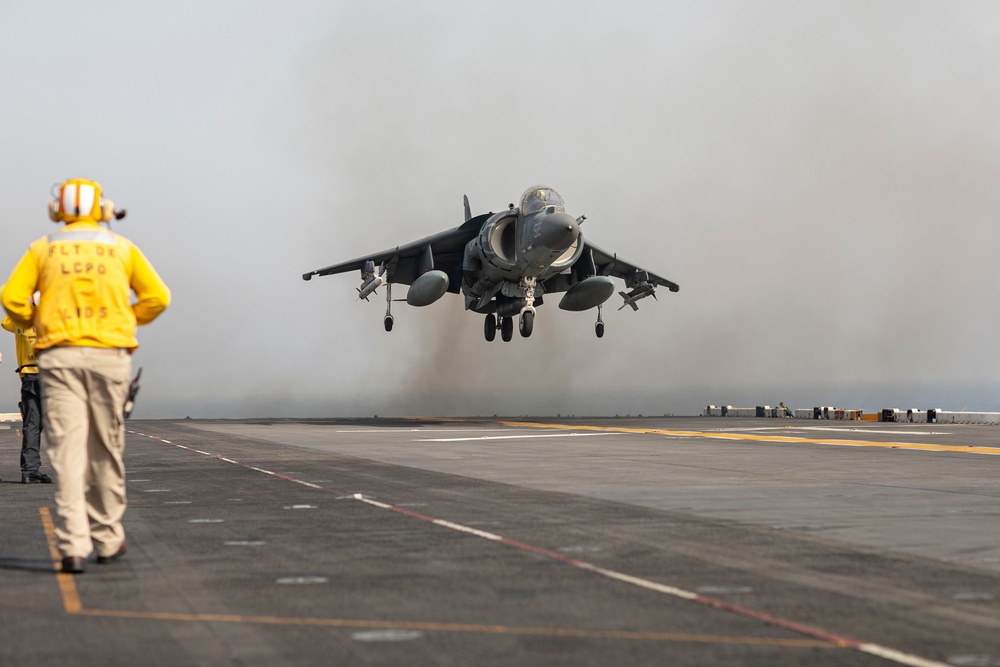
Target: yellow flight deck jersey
[[85, 274], [25, 344]]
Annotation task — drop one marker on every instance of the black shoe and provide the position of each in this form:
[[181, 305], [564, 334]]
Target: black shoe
[[74, 564], [104, 560], [36, 478]]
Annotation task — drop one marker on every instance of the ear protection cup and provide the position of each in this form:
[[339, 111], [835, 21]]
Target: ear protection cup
[[107, 209], [54, 211]]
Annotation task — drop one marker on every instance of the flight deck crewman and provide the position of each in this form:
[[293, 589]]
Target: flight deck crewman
[[85, 326], [31, 404]]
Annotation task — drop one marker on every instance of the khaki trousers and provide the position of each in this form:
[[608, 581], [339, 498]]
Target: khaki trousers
[[83, 394]]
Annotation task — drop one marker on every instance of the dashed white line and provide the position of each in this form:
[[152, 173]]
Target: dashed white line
[[427, 430], [512, 437], [301, 580]]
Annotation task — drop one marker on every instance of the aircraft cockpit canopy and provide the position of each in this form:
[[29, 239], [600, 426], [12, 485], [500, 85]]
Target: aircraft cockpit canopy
[[539, 197]]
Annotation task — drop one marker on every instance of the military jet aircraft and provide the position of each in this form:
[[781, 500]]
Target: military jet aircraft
[[505, 264]]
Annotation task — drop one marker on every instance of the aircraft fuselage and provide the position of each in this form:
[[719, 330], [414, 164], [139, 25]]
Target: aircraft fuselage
[[514, 252]]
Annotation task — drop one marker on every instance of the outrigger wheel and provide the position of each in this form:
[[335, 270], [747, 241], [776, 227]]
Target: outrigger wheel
[[388, 307]]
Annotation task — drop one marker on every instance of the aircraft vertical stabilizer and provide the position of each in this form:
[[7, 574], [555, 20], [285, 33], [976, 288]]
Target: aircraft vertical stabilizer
[[468, 210]]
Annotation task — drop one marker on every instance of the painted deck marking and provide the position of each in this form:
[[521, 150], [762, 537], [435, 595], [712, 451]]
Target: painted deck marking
[[532, 436], [672, 591], [71, 599], [73, 605], [828, 638], [419, 430], [995, 451]]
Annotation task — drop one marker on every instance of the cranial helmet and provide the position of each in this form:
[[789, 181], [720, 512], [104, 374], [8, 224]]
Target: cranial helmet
[[80, 199]]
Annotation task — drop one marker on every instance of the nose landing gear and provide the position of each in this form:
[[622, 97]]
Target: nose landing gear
[[526, 323]]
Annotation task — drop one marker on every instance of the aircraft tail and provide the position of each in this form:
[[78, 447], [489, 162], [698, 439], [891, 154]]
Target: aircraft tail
[[468, 210]]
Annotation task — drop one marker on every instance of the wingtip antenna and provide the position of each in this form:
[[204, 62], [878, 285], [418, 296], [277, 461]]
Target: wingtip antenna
[[468, 209]]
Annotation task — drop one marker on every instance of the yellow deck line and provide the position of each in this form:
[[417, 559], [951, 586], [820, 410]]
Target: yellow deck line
[[765, 438], [71, 599]]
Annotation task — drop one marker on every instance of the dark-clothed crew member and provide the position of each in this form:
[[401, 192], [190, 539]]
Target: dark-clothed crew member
[[31, 404], [85, 324]]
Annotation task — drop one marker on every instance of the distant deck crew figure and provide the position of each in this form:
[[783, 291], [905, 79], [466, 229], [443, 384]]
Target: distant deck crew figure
[[85, 324], [31, 404]]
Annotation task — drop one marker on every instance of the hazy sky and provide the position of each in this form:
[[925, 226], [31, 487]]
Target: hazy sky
[[821, 178]]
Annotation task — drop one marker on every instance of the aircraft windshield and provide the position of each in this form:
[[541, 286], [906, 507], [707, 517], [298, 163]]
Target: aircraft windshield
[[539, 197]]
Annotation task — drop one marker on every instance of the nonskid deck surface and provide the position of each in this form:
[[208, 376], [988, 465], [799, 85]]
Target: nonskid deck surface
[[524, 541]]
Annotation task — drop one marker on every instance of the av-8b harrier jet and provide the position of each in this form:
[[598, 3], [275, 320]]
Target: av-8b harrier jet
[[505, 264]]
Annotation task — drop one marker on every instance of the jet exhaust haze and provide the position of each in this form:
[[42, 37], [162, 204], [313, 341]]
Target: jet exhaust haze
[[819, 178]]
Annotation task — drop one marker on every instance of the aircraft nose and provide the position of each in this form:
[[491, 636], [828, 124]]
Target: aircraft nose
[[558, 231]]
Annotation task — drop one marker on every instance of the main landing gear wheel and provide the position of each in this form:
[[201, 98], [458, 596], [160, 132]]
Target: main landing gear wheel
[[490, 327], [506, 329], [526, 323], [599, 329], [388, 322]]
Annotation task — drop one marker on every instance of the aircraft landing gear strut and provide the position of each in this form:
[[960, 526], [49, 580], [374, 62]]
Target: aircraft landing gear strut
[[388, 307], [527, 319], [599, 326]]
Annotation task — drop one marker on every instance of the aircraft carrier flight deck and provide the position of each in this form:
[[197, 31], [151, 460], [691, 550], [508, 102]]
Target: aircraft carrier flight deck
[[433, 541]]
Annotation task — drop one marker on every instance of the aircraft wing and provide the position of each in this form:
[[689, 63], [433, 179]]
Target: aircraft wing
[[610, 264], [447, 249]]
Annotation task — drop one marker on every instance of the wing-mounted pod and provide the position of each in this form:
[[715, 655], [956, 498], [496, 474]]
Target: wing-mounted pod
[[369, 281], [431, 284], [640, 287], [591, 290]]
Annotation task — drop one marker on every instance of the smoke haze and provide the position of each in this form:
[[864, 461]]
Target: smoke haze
[[820, 178]]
